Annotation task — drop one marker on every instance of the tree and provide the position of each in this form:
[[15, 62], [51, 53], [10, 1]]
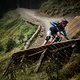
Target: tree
[[18, 3]]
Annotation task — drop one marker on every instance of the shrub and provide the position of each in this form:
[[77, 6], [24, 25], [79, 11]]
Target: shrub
[[21, 37], [10, 45], [1, 48]]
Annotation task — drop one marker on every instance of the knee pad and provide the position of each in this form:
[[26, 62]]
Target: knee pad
[[47, 38]]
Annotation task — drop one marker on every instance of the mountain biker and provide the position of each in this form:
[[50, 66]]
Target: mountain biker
[[53, 32], [61, 26]]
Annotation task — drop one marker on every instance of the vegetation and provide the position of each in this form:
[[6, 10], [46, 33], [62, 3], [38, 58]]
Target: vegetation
[[71, 69], [10, 45], [14, 32], [60, 7]]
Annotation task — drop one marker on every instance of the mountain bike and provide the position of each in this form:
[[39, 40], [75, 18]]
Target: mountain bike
[[54, 40]]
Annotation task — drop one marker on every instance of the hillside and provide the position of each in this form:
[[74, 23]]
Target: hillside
[[61, 7], [14, 33], [49, 7], [47, 72]]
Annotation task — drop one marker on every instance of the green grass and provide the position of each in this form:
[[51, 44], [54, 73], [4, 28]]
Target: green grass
[[14, 28], [29, 74], [14, 31]]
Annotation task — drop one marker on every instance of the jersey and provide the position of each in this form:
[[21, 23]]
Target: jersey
[[53, 30], [54, 23], [60, 27]]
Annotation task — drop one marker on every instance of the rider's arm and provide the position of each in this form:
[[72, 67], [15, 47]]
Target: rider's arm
[[65, 34]]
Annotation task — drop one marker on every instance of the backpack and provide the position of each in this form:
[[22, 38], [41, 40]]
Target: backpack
[[54, 23]]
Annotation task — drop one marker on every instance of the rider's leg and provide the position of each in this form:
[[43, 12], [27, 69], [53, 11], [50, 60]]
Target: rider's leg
[[47, 38], [57, 37]]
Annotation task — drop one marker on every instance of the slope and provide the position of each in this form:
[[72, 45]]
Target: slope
[[31, 63]]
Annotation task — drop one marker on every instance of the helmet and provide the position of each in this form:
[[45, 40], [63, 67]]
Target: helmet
[[64, 20], [54, 23]]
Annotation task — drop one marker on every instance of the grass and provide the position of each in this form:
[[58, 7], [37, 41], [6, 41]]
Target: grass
[[28, 74], [60, 7], [76, 77], [14, 32], [70, 70], [16, 29]]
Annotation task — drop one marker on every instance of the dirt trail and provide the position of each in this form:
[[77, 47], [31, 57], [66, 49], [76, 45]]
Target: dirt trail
[[32, 16]]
